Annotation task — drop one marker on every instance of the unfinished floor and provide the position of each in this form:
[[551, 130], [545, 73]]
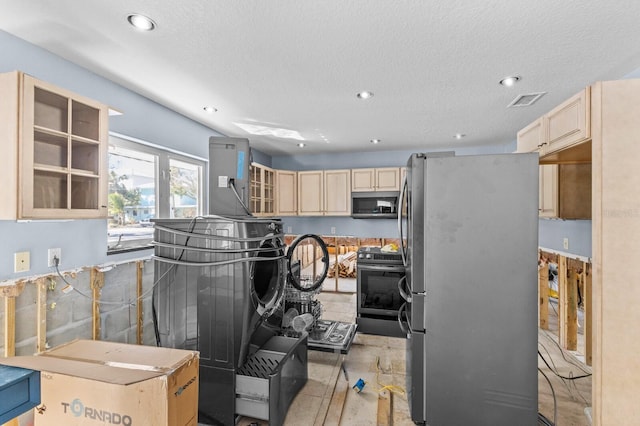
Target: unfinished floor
[[380, 362]]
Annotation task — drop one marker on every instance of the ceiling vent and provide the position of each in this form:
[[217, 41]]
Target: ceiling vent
[[525, 100]]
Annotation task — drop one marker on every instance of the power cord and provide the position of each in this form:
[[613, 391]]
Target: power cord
[[69, 287], [560, 375], [391, 388], [541, 418]]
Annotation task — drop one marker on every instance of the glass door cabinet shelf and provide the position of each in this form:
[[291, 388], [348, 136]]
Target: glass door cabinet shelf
[[60, 147], [262, 195]]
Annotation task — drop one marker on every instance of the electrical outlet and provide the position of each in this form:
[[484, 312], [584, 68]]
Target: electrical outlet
[[565, 243], [288, 229], [21, 261], [333, 230], [52, 253]]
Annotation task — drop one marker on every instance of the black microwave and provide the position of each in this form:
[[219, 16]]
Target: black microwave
[[374, 205]]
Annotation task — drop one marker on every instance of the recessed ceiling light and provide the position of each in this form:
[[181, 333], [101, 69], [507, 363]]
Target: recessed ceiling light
[[365, 94], [375, 141], [141, 22], [210, 109], [510, 81], [301, 145], [459, 135]]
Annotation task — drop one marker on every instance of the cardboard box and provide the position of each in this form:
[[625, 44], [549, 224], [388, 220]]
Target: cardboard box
[[87, 382]]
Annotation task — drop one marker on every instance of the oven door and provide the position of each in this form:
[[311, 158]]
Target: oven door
[[378, 289]]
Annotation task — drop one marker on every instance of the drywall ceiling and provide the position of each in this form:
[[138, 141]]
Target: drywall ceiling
[[433, 65]]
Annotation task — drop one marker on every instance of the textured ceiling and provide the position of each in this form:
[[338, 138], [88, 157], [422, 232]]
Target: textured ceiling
[[433, 65]]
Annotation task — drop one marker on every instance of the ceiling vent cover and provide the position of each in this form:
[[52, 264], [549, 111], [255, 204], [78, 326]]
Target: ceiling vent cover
[[525, 100]]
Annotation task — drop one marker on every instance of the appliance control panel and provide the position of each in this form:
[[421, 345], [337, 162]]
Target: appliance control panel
[[377, 256]]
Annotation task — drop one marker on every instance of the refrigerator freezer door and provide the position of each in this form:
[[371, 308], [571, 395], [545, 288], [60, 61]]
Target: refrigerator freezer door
[[415, 381]]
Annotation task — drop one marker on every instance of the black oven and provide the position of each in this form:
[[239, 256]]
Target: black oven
[[378, 297]]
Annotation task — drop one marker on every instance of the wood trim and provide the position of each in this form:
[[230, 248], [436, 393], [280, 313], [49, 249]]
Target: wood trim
[[384, 408], [571, 309], [336, 406], [588, 318], [41, 316], [543, 285], [596, 251], [97, 282], [9, 326]]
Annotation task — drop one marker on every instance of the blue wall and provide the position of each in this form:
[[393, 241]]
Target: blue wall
[[551, 233], [346, 226], [352, 160], [146, 120], [83, 242]]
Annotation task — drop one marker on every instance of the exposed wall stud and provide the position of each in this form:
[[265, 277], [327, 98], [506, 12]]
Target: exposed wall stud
[[97, 282], [41, 316], [9, 326]]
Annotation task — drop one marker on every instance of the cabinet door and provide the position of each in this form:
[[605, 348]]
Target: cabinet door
[[388, 179], [255, 192], [548, 197], [262, 190], [268, 191], [286, 193], [363, 180], [570, 122], [337, 192], [310, 193], [9, 143], [532, 137], [63, 154]]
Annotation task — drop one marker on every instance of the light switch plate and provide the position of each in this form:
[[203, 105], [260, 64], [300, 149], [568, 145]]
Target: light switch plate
[[21, 261]]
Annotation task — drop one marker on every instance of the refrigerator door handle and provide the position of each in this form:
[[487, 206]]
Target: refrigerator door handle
[[406, 295], [403, 187], [405, 328]]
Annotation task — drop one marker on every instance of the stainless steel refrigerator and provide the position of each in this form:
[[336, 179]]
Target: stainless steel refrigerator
[[471, 230]]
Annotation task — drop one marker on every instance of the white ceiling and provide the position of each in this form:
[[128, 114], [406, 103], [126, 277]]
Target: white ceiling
[[433, 65]]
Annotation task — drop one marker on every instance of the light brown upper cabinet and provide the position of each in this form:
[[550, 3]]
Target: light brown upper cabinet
[[532, 138], [563, 135], [562, 139], [263, 199], [54, 163], [286, 193], [375, 179], [324, 193], [570, 122]]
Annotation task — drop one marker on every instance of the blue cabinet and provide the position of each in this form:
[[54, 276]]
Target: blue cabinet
[[19, 391]]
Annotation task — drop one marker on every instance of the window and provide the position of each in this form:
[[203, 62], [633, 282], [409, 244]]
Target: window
[[147, 182]]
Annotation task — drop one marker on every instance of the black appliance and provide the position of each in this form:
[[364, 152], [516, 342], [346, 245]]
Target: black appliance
[[218, 279], [378, 297], [374, 205]]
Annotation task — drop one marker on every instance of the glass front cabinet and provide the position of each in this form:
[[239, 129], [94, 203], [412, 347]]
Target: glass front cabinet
[[59, 143]]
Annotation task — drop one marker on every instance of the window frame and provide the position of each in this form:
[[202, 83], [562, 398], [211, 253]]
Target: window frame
[[163, 157]]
